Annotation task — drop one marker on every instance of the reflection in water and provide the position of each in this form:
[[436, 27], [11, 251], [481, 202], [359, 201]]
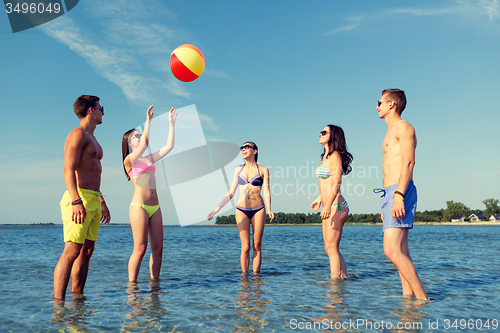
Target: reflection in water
[[250, 304], [146, 306], [73, 314], [409, 317], [335, 292]]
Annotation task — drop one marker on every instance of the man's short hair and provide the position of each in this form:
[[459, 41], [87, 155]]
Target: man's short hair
[[83, 103], [397, 96]]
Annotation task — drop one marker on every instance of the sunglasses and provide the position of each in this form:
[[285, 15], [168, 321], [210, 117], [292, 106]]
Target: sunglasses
[[101, 108], [380, 102], [138, 136], [323, 133], [246, 147]]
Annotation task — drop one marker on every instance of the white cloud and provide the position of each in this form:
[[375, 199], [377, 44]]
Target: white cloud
[[341, 29], [422, 11], [123, 47], [356, 21], [491, 8], [109, 62], [475, 9]]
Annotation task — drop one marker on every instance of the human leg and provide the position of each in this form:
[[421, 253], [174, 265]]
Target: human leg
[[79, 239], [396, 250], [62, 272], [139, 222], [156, 243], [332, 234], [407, 291], [258, 223], [243, 224], [80, 267]]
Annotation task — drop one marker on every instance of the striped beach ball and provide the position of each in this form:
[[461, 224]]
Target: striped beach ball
[[187, 63]]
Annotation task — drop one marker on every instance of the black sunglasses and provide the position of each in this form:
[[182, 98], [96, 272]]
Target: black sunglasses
[[246, 147], [101, 108], [323, 133], [138, 136], [380, 103]]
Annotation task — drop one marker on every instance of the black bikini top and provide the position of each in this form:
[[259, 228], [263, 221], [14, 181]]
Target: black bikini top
[[255, 181]]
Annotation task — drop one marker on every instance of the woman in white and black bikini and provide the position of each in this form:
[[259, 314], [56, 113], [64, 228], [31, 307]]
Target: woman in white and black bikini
[[335, 162]]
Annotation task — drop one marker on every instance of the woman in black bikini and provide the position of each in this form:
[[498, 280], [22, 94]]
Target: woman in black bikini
[[250, 207]]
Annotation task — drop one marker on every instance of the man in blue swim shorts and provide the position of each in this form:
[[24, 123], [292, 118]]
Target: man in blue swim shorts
[[399, 201], [410, 206]]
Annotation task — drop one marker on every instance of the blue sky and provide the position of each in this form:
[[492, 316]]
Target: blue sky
[[276, 74]]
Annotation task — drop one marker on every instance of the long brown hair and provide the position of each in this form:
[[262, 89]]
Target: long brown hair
[[126, 149], [337, 143]]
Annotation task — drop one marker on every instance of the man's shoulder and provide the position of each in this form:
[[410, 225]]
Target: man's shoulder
[[78, 134], [403, 127], [78, 131]]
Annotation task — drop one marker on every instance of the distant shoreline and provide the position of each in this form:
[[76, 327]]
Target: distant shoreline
[[202, 225], [380, 223]]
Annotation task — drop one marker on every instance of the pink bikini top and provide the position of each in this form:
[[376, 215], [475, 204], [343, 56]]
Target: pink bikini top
[[140, 167]]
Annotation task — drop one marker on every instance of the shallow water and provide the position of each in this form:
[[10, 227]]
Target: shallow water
[[202, 289]]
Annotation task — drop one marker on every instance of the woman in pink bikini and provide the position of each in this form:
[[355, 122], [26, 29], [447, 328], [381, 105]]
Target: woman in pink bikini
[[145, 213], [250, 209]]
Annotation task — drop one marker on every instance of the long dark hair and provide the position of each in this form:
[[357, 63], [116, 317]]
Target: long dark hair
[[337, 143], [126, 149]]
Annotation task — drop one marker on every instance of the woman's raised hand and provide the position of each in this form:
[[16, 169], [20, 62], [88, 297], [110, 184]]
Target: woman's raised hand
[[172, 116], [149, 113]]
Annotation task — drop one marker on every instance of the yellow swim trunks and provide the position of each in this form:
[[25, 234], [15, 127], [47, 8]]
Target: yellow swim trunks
[[78, 233]]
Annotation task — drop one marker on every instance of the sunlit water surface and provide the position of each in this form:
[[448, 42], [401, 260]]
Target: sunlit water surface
[[202, 289]]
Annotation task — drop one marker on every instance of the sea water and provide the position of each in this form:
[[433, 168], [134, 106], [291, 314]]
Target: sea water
[[202, 289]]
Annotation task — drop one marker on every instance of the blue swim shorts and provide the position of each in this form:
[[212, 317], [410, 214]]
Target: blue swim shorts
[[410, 207]]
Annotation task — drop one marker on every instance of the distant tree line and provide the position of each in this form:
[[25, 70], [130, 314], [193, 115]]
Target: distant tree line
[[453, 209], [301, 218], [458, 209]]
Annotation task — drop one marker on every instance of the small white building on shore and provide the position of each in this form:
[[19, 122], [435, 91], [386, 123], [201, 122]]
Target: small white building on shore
[[477, 217], [495, 218], [455, 219]]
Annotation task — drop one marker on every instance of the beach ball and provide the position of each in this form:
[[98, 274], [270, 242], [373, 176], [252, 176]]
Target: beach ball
[[187, 63]]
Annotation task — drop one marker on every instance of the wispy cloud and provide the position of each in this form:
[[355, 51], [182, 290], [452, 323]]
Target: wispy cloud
[[110, 62], [128, 43], [491, 8], [421, 11], [355, 22], [470, 8]]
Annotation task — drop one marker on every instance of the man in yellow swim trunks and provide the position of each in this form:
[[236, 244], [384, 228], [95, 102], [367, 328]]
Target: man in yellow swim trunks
[[82, 205]]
